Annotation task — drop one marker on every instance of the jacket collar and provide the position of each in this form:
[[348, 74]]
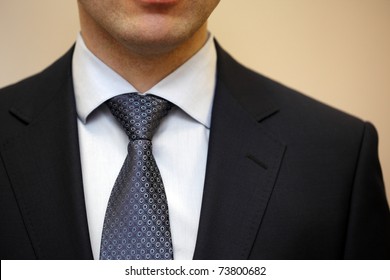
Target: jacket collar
[[43, 165], [243, 163]]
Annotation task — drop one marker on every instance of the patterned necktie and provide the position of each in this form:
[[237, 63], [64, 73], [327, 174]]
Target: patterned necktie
[[136, 224]]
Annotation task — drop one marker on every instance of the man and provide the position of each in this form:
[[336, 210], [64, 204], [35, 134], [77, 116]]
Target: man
[[251, 169]]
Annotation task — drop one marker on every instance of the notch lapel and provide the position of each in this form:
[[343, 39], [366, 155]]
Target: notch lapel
[[243, 163], [44, 168]]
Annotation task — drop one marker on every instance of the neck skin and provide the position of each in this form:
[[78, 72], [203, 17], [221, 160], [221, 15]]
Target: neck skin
[[142, 70]]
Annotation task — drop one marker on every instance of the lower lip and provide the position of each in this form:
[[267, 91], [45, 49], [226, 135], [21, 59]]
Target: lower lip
[[160, 2]]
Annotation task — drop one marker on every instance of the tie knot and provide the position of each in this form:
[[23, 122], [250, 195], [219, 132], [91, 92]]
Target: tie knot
[[139, 114]]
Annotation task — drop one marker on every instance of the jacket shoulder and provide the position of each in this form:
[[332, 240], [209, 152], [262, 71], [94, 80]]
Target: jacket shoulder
[[48, 79], [253, 90], [23, 101]]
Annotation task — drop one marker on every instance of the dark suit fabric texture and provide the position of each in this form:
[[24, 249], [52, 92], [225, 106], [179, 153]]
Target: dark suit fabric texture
[[287, 177]]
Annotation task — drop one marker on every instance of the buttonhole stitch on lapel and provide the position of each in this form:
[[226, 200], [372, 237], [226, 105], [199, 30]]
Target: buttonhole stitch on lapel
[[255, 160]]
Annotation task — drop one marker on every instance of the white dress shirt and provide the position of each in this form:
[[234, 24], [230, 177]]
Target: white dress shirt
[[180, 143]]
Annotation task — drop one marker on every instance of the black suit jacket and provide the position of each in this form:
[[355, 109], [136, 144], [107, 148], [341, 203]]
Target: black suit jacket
[[287, 177]]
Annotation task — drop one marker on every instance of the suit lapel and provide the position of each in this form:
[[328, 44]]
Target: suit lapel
[[242, 167], [43, 165]]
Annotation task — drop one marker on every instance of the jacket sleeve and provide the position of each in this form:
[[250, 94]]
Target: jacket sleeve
[[368, 230]]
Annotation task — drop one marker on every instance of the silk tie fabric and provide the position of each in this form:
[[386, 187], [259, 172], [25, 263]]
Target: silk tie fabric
[[136, 224]]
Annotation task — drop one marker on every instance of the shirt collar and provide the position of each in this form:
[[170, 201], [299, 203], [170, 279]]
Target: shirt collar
[[190, 87]]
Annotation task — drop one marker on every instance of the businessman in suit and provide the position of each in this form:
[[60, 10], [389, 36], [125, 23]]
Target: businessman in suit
[[251, 168]]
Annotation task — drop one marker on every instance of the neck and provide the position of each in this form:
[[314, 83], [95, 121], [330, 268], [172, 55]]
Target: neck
[[141, 69]]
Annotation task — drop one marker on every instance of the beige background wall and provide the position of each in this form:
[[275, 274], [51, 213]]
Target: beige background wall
[[337, 51]]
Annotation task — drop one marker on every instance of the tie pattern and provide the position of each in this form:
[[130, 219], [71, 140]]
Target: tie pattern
[[136, 224]]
